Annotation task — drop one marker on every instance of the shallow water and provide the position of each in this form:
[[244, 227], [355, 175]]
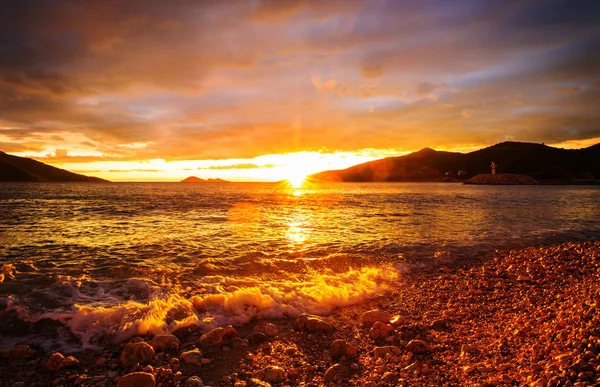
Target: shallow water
[[109, 261]]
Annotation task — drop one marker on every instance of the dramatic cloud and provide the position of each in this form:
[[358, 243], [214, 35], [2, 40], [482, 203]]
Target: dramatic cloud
[[198, 80]]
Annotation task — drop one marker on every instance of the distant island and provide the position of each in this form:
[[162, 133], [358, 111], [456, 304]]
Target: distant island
[[538, 162], [194, 179], [14, 168]]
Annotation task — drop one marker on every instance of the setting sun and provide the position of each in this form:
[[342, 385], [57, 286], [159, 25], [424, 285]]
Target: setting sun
[[296, 178]]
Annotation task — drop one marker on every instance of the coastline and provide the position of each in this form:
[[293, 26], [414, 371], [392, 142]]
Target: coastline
[[518, 317]]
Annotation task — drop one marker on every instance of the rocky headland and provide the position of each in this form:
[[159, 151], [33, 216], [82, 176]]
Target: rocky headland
[[526, 317], [501, 179]]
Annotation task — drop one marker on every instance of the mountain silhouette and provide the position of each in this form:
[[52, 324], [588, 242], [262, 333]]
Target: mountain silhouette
[[14, 168], [542, 162]]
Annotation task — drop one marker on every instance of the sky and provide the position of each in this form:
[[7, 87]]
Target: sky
[[262, 89]]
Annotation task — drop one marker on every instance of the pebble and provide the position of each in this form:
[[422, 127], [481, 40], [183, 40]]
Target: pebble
[[339, 348], [193, 381], [390, 377], [137, 379], [397, 321], [218, 336], [523, 278], [20, 351], [271, 374], [381, 352], [257, 383], [70, 361], [336, 373], [192, 357], [271, 330], [371, 317], [97, 379], [136, 353], [54, 362], [380, 330], [258, 337], [164, 342], [417, 346], [310, 323], [438, 325]]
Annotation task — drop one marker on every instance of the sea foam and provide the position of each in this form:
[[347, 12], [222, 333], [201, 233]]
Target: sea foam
[[240, 301]]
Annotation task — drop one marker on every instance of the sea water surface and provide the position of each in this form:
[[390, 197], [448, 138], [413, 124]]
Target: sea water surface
[[88, 264]]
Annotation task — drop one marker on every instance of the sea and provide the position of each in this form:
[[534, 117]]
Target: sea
[[89, 265]]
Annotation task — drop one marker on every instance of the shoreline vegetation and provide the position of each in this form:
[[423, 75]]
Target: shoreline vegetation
[[519, 317]]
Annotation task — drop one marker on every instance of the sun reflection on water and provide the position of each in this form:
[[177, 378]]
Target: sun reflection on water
[[296, 233]]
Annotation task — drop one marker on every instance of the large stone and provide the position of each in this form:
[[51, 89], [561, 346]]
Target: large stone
[[218, 336], [70, 361], [164, 342], [371, 317], [54, 362], [381, 352], [417, 346], [336, 373], [21, 351], [254, 382], [271, 374], [194, 381], [339, 348], [310, 323], [137, 379], [439, 325], [192, 357], [136, 353], [390, 378], [271, 330], [380, 330]]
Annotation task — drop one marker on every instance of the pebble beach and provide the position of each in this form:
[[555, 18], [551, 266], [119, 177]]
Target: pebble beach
[[525, 317]]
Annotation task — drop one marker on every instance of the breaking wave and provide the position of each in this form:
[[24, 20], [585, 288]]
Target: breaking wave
[[235, 301]]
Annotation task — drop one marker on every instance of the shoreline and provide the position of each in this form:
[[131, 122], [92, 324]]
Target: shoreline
[[517, 317]]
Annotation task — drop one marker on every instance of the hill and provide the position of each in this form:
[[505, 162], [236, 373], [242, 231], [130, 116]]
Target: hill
[[14, 168], [194, 179], [542, 162]]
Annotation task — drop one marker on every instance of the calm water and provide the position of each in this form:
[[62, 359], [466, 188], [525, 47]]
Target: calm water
[[109, 261]]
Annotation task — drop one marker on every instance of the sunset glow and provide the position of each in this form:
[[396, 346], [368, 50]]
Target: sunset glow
[[290, 166], [167, 91]]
